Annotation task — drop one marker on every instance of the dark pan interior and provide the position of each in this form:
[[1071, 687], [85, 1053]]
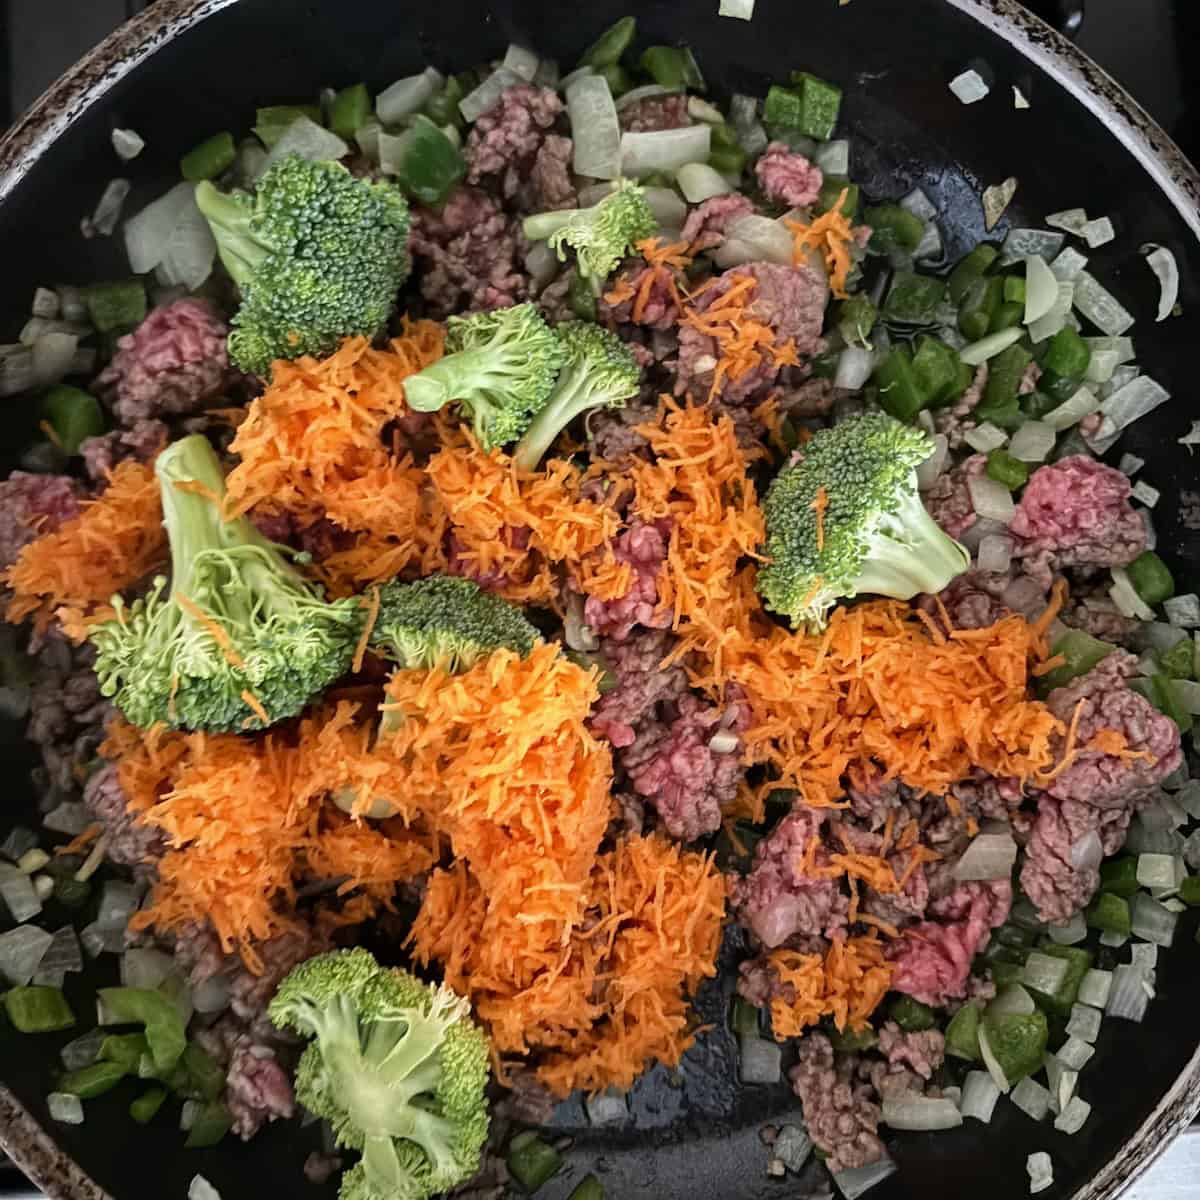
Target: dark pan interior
[[696, 1133]]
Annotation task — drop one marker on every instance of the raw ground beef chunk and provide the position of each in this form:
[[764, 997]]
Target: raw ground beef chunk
[[788, 178]]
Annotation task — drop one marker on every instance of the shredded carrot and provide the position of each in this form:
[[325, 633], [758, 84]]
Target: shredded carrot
[[1058, 597], [254, 704], [85, 839], [831, 234], [1114, 743], [972, 827], [820, 505], [1050, 664], [884, 927], [658, 253], [196, 488], [213, 628], [360, 651], [847, 984], [51, 433]]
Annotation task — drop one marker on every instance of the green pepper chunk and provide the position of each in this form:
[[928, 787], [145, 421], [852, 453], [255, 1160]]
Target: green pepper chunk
[[977, 308], [1015, 936], [726, 155], [116, 306], [611, 44], [832, 187], [856, 319], [1079, 962], [206, 1080], [124, 1049], [914, 299], [911, 1015], [1006, 316], [672, 67], [72, 893], [820, 102], [1000, 399], [428, 165], [1003, 468], [938, 370], [894, 228], [1014, 290], [1067, 355], [209, 160], [271, 122], [212, 1123], [1189, 890], [849, 1042], [1163, 697], [145, 1108], [1119, 876], [36, 1009], [971, 268], [163, 1024], [581, 298], [1037, 404], [617, 77], [532, 1161], [351, 110], [73, 414], [1005, 973], [1080, 652], [589, 1188], [1110, 913], [1151, 578], [443, 108], [1017, 1042], [743, 1018], [89, 1082], [1180, 661], [900, 391], [962, 1034]]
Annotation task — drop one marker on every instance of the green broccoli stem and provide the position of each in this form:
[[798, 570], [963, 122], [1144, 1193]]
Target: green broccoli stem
[[229, 213], [910, 554], [465, 373], [543, 226], [572, 398]]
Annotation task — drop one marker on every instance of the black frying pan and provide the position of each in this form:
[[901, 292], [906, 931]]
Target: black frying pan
[[190, 67]]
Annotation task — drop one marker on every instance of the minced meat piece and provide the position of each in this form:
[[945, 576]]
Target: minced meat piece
[[1105, 702], [642, 684], [661, 310], [505, 142], [955, 422], [813, 398], [949, 500], [614, 432], [983, 795], [550, 187], [257, 1089], [656, 113], [142, 441], [840, 1109], [321, 1168], [468, 256], [788, 178], [32, 505], [176, 362], [131, 843], [1099, 616], [707, 225], [790, 301], [972, 601], [1076, 513], [776, 900], [922, 1053], [644, 547], [673, 765]]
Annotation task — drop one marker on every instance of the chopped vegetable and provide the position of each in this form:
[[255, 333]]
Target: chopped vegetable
[[996, 200], [65, 1108], [1110, 912], [611, 45], [164, 1028], [531, 1161], [34, 1009], [145, 1108], [1151, 578], [969, 87], [210, 159], [1166, 269]]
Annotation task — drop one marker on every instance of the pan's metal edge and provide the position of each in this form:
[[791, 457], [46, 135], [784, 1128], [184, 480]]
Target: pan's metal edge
[[31, 1148]]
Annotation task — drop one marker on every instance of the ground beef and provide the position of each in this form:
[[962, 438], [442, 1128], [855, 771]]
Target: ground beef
[[840, 1109], [1074, 513], [949, 500], [31, 505], [321, 1168], [468, 256], [708, 223], [176, 362], [789, 300], [550, 186], [459, 561], [788, 178], [130, 842], [776, 901], [985, 796], [758, 982], [955, 422], [922, 1053], [257, 1089], [972, 601], [933, 959], [614, 433], [872, 797], [661, 310], [656, 113], [1049, 877], [505, 144], [673, 766], [644, 547], [141, 442], [1105, 701], [1099, 616], [642, 684], [813, 398]]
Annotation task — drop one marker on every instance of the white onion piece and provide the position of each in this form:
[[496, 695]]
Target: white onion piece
[[1033, 442], [908, 1111], [65, 1107], [212, 996], [21, 952], [1072, 220], [931, 469], [854, 368], [53, 357], [834, 158], [118, 902], [1087, 853], [1101, 367], [991, 499], [742, 10], [127, 143], [201, 1189], [1153, 922], [979, 1096], [1085, 1023], [1095, 987], [1100, 306], [989, 856], [1157, 870], [310, 141], [594, 127], [1021, 244], [1122, 347], [669, 210], [107, 213], [996, 200], [664, 149], [1183, 611], [986, 348], [521, 61], [1043, 973], [1098, 233], [1125, 597], [792, 1147], [1072, 411], [985, 438], [699, 182], [1031, 1098], [1040, 1170], [990, 1061], [474, 104], [579, 73], [70, 817], [1019, 98], [724, 742], [917, 203], [147, 234], [1070, 934], [761, 1060], [1067, 266], [547, 74], [1144, 955], [1056, 318], [766, 241], [970, 87], [1041, 289], [1188, 797], [649, 91], [1072, 1118], [191, 249], [143, 967], [1013, 1000], [17, 891], [1162, 262], [857, 1181], [609, 1107], [542, 263], [930, 245]]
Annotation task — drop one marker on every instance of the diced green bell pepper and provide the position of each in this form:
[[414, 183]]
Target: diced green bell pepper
[[89, 1082], [911, 1015], [271, 122], [1000, 404], [611, 45], [142, 1006], [893, 228], [1163, 697], [124, 1049], [1189, 890], [1110, 913], [1005, 973], [532, 1161], [73, 414], [36, 1009], [820, 104], [938, 370], [429, 165], [914, 299], [962, 1034], [145, 1108], [832, 187], [617, 77], [581, 297], [209, 160], [744, 1018], [1014, 289], [351, 110], [1081, 653], [673, 67], [849, 1042], [1067, 355], [1079, 962], [1037, 404], [1119, 876], [1008, 315], [977, 308], [970, 269], [116, 306], [212, 1123], [900, 391], [1017, 1042], [443, 108], [1003, 468], [1180, 661], [590, 1188], [856, 319], [1151, 578]]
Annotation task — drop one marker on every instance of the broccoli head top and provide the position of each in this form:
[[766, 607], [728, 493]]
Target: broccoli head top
[[602, 235], [846, 519], [600, 372], [500, 366], [318, 255], [239, 640], [446, 622], [396, 1066]]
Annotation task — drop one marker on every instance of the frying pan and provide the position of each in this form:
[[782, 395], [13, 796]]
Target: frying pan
[[189, 67]]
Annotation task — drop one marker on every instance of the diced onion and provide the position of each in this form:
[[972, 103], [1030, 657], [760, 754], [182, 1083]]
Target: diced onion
[[931, 469], [991, 499], [834, 159], [572, 76], [742, 10], [1021, 244], [304, 137], [1070, 934], [548, 74], [1088, 852], [699, 182], [1156, 870], [1127, 998], [1075, 1054], [17, 891], [1068, 265], [1151, 921], [854, 368], [148, 234], [1012, 1000], [1041, 289], [1100, 306], [986, 348], [107, 213], [1188, 798], [521, 61], [201, 1189], [1162, 262], [542, 263], [793, 1146], [1098, 233], [127, 143], [609, 1107], [1095, 987], [82, 1051], [1031, 1098], [1072, 220], [1183, 611], [1144, 955], [143, 967], [979, 1096], [1033, 442], [21, 952], [473, 105], [1125, 597], [1019, 99], [1085, 1023], [1056, 319], [1072, 411], [53, 356], [664, 149], [758, 238], [1102, 366], [761, 1060], [985, 438], [970, 87], [909, 1111], [669, 210], [857, 1181], [1043, 973], [118, 902], [1074, 1116], [595, 128], [996, 200], [65, 1107], [990, 855], [990, 1061], [191, 249], [1041, 1171]]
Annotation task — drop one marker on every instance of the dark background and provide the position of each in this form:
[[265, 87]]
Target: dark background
[[1145, 44]]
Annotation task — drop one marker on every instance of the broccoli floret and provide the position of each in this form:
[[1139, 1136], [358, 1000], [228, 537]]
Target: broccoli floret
[[447, 622], [846, 519], [318, 255], [600, 372], [601, 235], [397, 1067], [500, 366], [238, 635]]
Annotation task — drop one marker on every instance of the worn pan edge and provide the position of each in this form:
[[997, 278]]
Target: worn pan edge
[[89, 80]]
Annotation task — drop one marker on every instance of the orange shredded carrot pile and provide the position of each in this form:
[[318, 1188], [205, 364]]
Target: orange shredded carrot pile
[[115, 542], [847, 983], [831, 235]]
